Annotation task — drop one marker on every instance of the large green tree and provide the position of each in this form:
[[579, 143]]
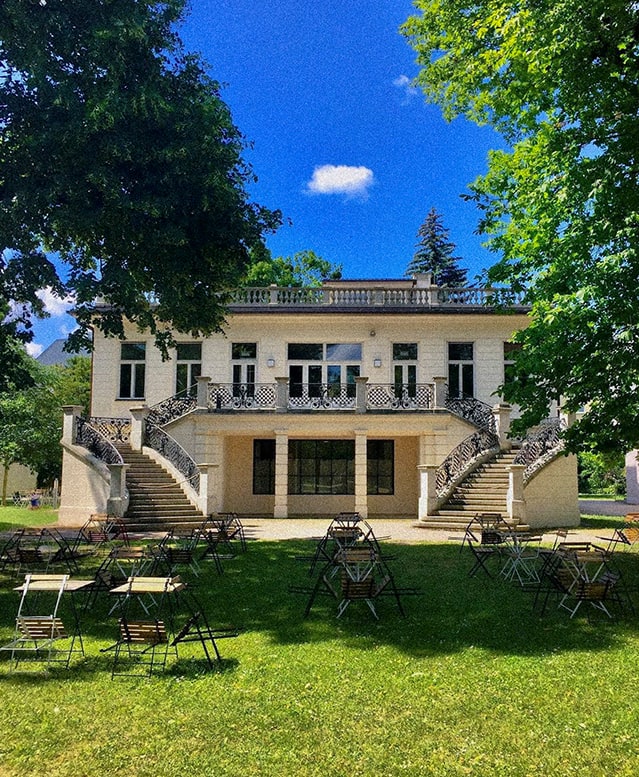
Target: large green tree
[[434, 253], [122, 176], [304, 268], [559, 79]]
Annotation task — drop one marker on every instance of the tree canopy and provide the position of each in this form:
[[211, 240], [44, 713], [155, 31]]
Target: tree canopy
[[305, 268], [122, 176], [559, 80], [434, 253]]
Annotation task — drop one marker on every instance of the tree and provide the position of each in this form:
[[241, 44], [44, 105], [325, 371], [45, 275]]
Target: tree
[[560, 205], [121, 171], [434, 253], [31, 416], [305, 268]]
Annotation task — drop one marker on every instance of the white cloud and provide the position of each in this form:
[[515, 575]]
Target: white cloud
[[54, 305], [341, 179], [34, 349], [404, 83]]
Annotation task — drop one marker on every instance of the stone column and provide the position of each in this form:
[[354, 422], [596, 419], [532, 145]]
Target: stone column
[[440, 392], [360, 394], [361, 473], [71, 412], [516, 504], [117, 501], [280, 508], [281, 397], [138, 422], [427, 504], [501, 412], [203, 392], [210, 500]]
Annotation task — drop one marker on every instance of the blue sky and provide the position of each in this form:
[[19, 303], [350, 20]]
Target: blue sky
[[342, 143]]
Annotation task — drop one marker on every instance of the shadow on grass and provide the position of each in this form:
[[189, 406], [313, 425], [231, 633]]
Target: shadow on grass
[[451, 613]]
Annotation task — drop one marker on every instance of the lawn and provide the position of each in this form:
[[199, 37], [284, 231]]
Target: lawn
[[470, 682]]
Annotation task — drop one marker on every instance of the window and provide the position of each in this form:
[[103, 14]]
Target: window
[[321, 466], [263, 466], [380, 467], [405, 373], [189, 366], [461, 382], [323, 364], [132, 370], [510, 349], [244, 355]]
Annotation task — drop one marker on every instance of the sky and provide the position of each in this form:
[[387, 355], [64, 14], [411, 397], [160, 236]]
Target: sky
[[341, 141]]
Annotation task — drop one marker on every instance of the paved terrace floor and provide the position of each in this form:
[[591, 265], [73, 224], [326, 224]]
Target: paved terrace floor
[[404, 530]]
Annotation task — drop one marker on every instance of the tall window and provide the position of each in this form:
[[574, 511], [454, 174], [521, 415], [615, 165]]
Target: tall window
[[321, 466], [405, 369], [263, 466], [510, 349], [314, 365], [461, 381], [244, 356], [132, 370], [189, 366], [380, 466]]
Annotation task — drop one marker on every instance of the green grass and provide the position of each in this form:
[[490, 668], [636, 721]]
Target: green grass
[[470, 682], [12, 516]]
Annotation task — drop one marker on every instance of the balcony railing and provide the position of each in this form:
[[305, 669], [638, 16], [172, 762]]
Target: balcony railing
[[374, 297]]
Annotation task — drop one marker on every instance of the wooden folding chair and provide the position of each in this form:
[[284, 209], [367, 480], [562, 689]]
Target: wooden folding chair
[[144, 644]]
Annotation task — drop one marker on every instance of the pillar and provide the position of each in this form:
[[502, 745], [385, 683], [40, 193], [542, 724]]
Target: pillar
[[117, 502], [516, 504], [138, 422], [71, 412], [361, 473], [281, 396], [203, 392], [501, 412], [360, 394], [280, 508], [427, 505], [210, 497], [440, 392]]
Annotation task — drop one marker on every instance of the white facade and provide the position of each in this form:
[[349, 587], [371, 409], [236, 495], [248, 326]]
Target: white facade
[[368, 364]]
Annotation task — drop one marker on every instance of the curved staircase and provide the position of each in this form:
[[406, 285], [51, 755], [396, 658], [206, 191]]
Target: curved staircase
[[156, 501], [483, 491]]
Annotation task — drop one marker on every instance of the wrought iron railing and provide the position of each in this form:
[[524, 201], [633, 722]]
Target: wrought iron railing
[[473, 410], [402, 396], [541, 446], [461, 460], [96, 442], [114, 429], [172, 451], [472, 450], [242, 396], [174, 407], [321, 396]]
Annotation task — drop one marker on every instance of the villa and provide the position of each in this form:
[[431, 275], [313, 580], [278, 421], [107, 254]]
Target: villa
[[374, 396]]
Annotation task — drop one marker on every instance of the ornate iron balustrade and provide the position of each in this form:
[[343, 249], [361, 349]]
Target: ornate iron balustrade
[[404, 396], [541, 446], [462, 459], [474, 410], [95, 442], [114, 429], [170, 449], [321, 396], [174, 407], [243, 396], [376, 296]]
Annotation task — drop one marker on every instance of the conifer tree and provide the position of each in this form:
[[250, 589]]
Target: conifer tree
[[434, 253]]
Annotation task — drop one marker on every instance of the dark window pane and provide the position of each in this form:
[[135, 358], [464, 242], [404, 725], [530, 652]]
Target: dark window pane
[[305, 351], [132, 351], [125, 380], [380, 466], [138, 391], [244, 350], [405, 351], [460, 351], [181, 378], [263, 466], [189, 352]]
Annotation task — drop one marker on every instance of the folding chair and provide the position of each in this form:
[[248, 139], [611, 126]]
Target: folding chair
[[43, 638], [481, 554], [197, 629], [144, 644], [175, 552]]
